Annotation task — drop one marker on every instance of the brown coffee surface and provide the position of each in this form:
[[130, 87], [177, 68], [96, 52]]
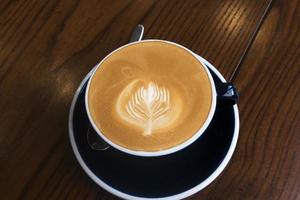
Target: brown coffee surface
[[150, 96]]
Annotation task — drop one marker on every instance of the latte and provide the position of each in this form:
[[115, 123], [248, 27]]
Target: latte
[[150, 96]]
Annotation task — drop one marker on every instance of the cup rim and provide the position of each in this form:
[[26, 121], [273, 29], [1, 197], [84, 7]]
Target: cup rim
[[165, 151]]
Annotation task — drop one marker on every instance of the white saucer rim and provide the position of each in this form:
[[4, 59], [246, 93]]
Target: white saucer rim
[[182, 195]]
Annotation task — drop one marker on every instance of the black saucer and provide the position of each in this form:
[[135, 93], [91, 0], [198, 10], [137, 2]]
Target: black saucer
[[181, 174]]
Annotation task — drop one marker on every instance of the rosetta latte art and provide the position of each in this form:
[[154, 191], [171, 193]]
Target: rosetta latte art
[[146, 107]]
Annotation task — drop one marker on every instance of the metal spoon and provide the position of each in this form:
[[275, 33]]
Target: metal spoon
[[94, 140], [137, 33]]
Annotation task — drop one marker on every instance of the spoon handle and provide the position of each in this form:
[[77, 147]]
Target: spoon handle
[[137, 33]]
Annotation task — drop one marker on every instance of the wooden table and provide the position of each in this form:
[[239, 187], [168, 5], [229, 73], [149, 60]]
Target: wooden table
[[47, 47]]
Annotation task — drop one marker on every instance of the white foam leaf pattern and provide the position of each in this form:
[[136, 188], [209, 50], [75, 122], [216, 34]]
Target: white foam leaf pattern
[[148, 105]]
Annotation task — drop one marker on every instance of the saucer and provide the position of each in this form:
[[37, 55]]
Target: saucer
[[173, 176]]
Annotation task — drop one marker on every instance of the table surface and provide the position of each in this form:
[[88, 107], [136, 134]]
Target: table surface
[[47, 47]]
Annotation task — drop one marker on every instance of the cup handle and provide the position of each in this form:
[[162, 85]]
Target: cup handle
[[227, 93]]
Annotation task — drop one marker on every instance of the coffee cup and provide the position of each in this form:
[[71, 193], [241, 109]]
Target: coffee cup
[[153, 98]]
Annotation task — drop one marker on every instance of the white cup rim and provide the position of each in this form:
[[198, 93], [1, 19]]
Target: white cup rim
[[165, 151]]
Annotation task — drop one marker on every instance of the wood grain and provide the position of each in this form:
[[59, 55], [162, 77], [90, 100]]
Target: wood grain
[[266, 164], [47, 47]]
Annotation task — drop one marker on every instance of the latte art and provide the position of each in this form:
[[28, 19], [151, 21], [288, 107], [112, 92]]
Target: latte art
[[147, 107]]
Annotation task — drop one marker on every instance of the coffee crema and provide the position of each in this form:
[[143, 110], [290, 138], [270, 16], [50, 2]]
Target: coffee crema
[[150, 96]]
